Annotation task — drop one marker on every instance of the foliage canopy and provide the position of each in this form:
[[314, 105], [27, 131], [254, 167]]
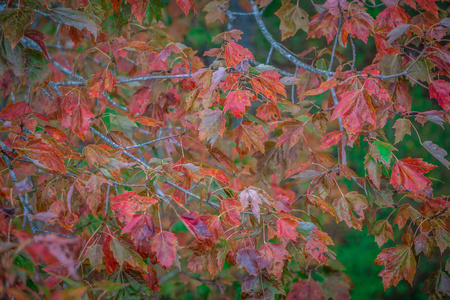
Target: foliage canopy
[[130, 162]]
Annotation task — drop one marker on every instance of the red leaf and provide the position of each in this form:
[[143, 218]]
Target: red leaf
[[268, 84], [332, 138], [231, 36], [306, 290], [407, 176], [323, 87], [139, 8], [399, 264], [230, 210], [355, 108], [286, 228], [250, 259], [37, 37], [217, 174], [347, 203], [292, 132], [317, 245], [430, 6], [237, 101], [273, 256], [213, 122], [214, 226], [185, 5], [440, 90], [382, 231], [78, 120], [163, 245], [195, 225], [140, 227], [15, 110], [127, 204], [103, 81], [235, 53]]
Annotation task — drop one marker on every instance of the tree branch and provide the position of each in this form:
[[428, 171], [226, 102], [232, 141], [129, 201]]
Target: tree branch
[[279, 47]]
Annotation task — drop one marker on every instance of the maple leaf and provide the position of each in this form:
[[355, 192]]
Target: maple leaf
[[424, 243], [93, 187], [251, 135], [43, 155], [14, 21], [252, 198], [235, 53], [382, 231], [399, 264], [347, 203], [323, 87], [237, 101], [230, 210], [139, 101], [292, 19], [102, 81], [195, 225], [273, 256], [214, 226], [317, 245], [268, 84], [359, 25], [261, 286], [78, 120], [139, 8], [250, 259], [306, 290], [338, 286], [286, 227], [124, 254], [186, 5], [400, 96], [402, 127], [373, 170], [382, 152], [292, 132], [231, 36], [437, 285], [214, 12], [127, 204], [407, 176], [440, 90], [15, 110], [140, 227], [355, 108], [217, 174], [37, 37], [212, 122], [163, 245], [332, 138], [430, 6], [97, 154], [405, 212]]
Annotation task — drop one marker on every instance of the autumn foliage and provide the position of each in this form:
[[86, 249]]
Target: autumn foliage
[[131, 161]]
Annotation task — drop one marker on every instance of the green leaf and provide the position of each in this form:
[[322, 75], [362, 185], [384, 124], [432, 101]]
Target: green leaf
[[11, 58], [382, 152], [14, 21], [24, 262], [36, 64], [75, 18], [154, 10]]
